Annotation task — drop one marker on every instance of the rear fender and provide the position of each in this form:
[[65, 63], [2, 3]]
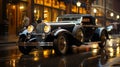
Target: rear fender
[[98, 33]]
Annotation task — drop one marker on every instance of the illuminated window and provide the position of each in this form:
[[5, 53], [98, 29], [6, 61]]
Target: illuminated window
[[38, 12], [54, 14], [47, 2], [62, 5], [47, 14], [55, 4], [74, 8], [38, 1]]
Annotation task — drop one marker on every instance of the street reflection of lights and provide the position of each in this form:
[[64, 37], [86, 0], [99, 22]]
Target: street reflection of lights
[[46, 53], [53, 51], [117, 44], [94, 51], [111, 52], [118, 51], [95, 45], [110, 43], [12, 62], [36, 56]]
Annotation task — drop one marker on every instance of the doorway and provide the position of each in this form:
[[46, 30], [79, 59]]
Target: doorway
[[11, 15]]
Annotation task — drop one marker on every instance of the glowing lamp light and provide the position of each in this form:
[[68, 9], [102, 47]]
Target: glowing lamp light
[[78, 4], [112, 14], [94, 10], [118, 16], [21, 7]]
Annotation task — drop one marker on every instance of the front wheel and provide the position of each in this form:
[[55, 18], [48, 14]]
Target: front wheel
[[61, 44], [23, 46]]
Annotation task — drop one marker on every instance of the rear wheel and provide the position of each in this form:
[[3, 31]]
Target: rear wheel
[[103, 39], [23, 46], [61, 44]]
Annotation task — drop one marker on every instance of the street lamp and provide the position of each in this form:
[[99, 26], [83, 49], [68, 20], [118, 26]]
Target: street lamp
[[78, 5], [117, 16], [95, 11], [112, 14]]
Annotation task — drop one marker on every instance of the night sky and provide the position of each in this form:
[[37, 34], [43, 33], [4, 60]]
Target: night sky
[[116, 5]]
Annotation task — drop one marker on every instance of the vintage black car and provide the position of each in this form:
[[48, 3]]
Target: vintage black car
[[68, 30]]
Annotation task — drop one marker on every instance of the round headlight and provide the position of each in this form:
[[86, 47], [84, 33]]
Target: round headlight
[[47, 28], [30, 28]]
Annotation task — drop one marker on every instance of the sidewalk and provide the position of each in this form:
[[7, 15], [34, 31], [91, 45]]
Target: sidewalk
[[5, 39]]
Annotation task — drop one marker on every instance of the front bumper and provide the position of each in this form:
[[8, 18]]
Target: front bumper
[[45, 44]]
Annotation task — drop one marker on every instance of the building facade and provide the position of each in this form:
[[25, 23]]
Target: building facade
[[104, 12], [12, 12]]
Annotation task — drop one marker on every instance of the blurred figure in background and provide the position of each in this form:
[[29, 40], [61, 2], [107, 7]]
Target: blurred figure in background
[[26, 21]]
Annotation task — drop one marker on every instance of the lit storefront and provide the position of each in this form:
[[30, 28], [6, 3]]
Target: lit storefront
[[48, 10]]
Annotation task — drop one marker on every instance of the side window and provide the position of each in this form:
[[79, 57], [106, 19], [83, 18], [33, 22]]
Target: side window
[[87, 21]]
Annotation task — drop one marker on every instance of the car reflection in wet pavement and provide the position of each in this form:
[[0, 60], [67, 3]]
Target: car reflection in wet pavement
[[83, 56]]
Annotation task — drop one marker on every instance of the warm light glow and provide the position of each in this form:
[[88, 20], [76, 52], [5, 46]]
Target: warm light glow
[[94, 51], [36, 56], [118, 16], [35, 11], [13, 63], [118, 50], [110, 43], [111, 50], [46, 53], [13, 6], [30, 28], [78, 4], [96, 20], [95, 45], [111, 54], [21, 7], [111, 14], [94, 10], [53, 51]]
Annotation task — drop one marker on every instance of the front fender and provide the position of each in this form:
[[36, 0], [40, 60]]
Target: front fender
[[56, 32], [23, 33]]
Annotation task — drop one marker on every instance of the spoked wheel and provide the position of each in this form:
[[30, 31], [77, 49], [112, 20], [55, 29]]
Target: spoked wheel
[[79, 35], [23, 46], [61, 44], [103, 39]]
